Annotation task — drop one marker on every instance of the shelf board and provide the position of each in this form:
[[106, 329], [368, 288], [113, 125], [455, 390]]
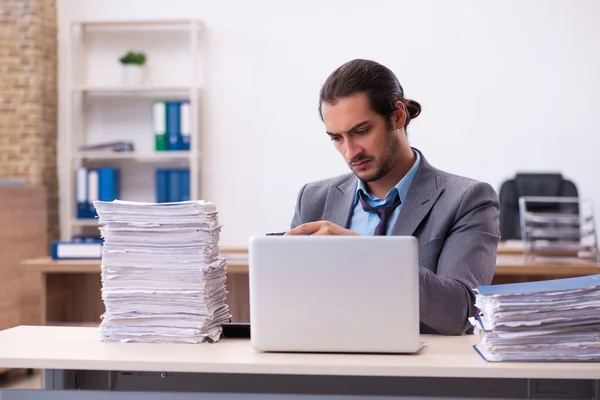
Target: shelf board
[[161, 156], [140, 25], [84, 222], [138, 91]]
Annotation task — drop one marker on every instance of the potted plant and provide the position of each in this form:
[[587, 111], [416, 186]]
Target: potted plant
[[134, 68]]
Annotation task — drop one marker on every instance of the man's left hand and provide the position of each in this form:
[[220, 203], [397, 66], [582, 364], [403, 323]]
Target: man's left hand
[[320, 228]]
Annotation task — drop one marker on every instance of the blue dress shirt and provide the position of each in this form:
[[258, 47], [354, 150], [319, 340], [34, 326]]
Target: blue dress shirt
[[364, 222]]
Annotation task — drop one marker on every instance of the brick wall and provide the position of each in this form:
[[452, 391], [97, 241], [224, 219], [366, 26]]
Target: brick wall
[[28, 98]]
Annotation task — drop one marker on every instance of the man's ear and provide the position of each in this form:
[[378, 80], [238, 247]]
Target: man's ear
[[399, 115]]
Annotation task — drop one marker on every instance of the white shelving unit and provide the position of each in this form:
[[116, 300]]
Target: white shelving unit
[[102, 109]]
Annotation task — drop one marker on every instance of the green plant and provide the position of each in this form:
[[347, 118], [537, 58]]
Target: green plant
[[132, 57]]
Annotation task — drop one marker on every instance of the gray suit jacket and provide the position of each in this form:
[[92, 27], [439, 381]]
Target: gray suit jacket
[[456, 221]]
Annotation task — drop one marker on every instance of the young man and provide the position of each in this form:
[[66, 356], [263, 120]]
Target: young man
[[393, 190]]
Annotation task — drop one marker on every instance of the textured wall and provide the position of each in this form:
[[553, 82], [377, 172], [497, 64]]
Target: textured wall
[[28, 98]]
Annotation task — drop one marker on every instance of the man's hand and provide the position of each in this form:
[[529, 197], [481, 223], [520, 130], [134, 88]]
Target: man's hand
[[320, 228]]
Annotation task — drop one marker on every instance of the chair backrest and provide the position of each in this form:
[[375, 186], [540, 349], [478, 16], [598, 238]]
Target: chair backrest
[[534, 184]]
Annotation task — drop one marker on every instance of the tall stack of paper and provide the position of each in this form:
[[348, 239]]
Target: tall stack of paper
[[163, 279], [556, 320]]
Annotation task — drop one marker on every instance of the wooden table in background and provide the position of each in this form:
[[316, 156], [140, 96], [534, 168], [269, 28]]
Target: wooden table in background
[[511, 266], [510, 247], [71, 289]]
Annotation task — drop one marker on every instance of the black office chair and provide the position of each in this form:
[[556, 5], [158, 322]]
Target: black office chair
[[532, 185]]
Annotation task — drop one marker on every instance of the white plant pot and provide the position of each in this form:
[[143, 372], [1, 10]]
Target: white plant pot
[[134, 74]]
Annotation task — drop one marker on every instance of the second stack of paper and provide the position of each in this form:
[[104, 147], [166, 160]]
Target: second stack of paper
[[556, 320]]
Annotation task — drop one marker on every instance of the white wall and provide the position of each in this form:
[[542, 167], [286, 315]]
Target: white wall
[[505, 86]]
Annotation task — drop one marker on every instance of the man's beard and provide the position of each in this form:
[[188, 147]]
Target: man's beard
[[387, 161]]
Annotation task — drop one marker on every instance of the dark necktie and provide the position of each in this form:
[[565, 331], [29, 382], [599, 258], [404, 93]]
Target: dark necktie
[[384, 213]]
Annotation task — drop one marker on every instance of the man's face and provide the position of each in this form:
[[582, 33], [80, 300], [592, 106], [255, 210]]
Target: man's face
[[361, 136]]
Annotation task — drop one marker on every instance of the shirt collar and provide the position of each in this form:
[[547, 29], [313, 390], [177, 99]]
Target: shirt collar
[[401, 187]]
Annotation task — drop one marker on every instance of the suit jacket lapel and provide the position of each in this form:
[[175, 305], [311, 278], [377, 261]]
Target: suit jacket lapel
[[340, 201], [421, 196]]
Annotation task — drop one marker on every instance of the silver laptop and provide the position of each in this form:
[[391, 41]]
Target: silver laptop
[[356, 294]]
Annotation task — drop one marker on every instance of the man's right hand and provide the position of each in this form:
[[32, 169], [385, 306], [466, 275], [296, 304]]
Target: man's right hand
[[320, 228]]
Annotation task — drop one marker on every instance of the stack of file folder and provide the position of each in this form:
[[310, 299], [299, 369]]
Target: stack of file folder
[[555, 320], [163, 278]]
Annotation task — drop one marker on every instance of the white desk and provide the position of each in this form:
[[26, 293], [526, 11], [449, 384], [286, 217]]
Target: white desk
[[74, 357]]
